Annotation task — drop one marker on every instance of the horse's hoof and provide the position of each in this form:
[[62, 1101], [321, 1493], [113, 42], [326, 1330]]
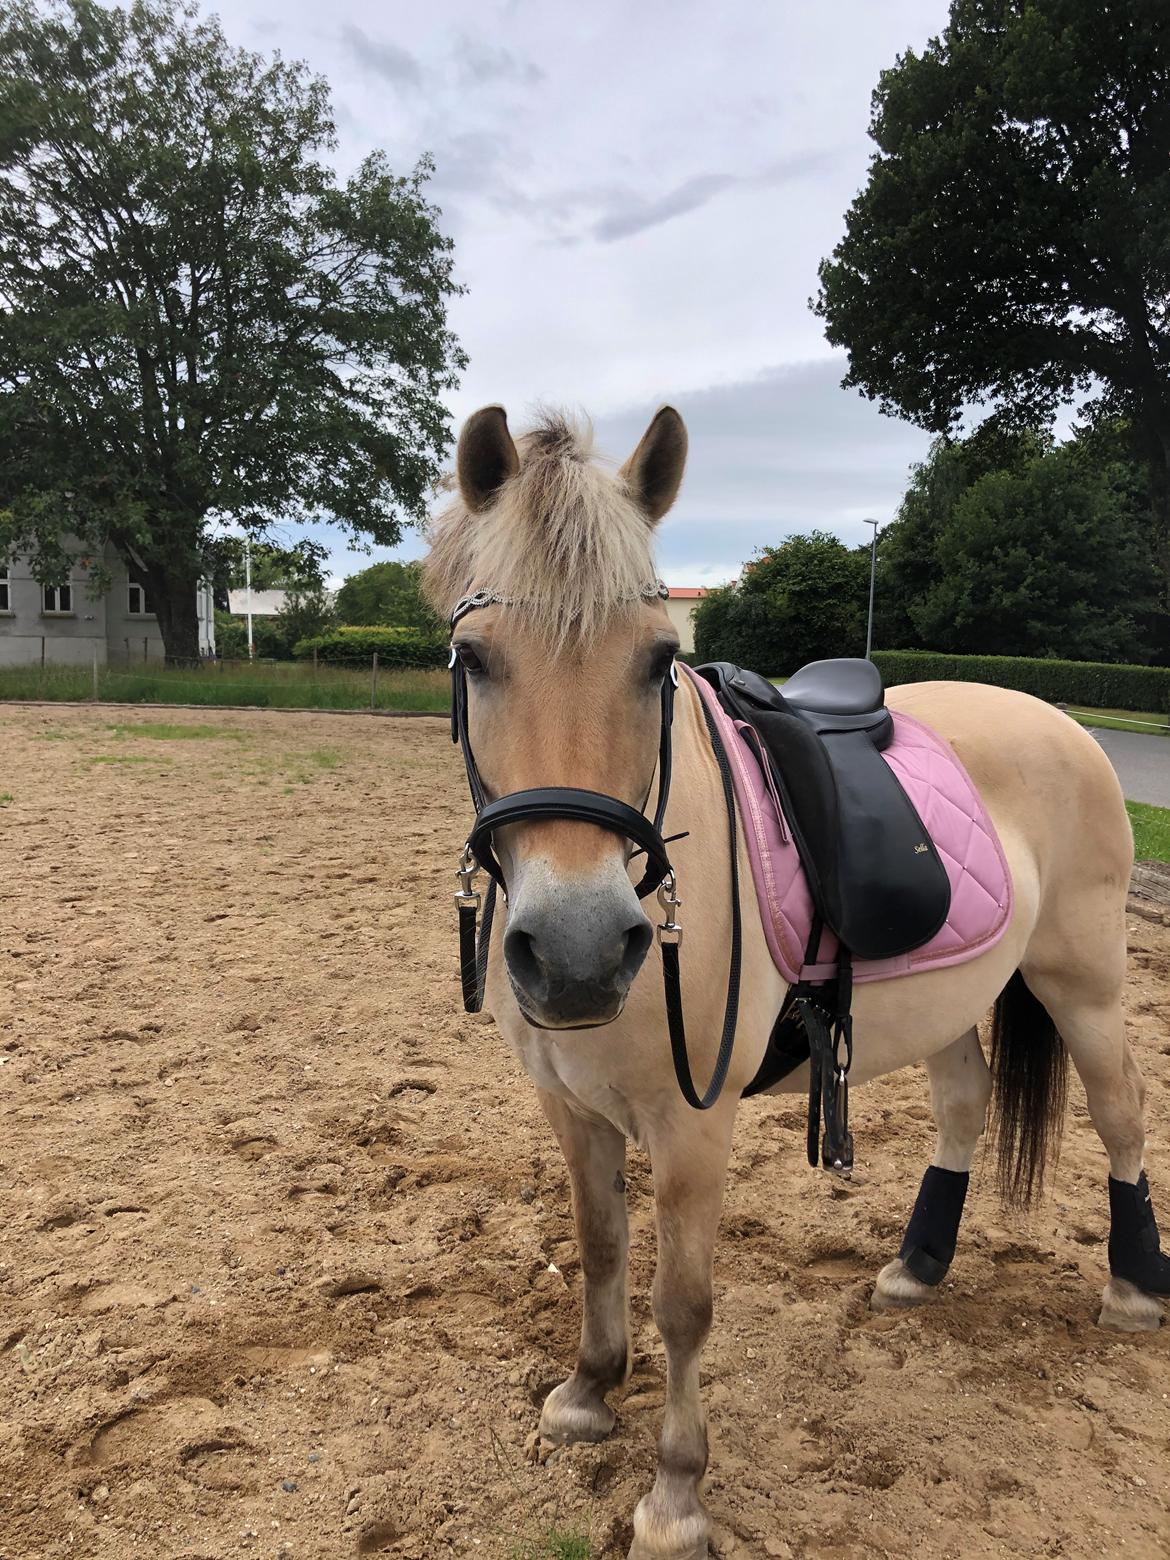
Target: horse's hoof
[[568, 1417], [640, 1552], [897, 1289], [1128, 1308], [668, 1537]]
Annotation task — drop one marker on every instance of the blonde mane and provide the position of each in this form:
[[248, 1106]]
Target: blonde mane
[[563, 539]]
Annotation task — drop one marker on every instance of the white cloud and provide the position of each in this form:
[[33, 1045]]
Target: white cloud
[[639, 197]]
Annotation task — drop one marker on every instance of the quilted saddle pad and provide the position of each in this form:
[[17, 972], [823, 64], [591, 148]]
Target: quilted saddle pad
[[953, 814]]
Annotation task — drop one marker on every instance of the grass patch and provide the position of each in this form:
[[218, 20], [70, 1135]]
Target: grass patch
[[256, 684], [1123, 720], [162, 731], [557, 1544], [124, 758], [5, 798], [1151, 831]]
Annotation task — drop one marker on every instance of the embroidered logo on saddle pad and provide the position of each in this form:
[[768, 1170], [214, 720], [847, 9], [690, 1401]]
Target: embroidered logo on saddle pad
[[953, 815]]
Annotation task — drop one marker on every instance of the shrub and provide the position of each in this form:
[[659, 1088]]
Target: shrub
[[393, 647], [269, 640], [1098, 684], [803, 600], [231, 637]]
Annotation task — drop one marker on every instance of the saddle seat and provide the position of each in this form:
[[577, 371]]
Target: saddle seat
[[874, 874], [849, 686]]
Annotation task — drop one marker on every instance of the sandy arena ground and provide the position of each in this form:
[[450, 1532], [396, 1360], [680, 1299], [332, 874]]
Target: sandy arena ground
[[277, 1219]]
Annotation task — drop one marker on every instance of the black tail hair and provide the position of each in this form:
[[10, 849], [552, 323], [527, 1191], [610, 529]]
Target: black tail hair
[[1029, 1076]]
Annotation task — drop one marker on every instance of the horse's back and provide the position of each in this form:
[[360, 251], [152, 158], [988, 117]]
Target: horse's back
[[1043, 777]]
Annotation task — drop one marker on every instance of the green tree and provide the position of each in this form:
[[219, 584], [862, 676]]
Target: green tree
[[197, 317], [804, 600], [1046, 557], [305, 612], [1012, 243], [386, 593], [909, 564], [300, 567]]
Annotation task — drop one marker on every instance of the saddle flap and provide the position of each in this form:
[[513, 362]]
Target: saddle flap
[[874, 874]]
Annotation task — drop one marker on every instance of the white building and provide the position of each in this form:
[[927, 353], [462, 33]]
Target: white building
[[681, 606], [59, 625]]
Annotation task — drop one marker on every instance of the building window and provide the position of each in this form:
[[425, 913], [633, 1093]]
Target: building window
[[5, 596], [58, 598], [138, 603]]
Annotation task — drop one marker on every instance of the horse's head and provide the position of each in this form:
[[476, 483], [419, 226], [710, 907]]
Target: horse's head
[[564, 680]]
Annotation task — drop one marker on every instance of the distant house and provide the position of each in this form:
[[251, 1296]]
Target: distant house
[[64, 625], [680, 608]]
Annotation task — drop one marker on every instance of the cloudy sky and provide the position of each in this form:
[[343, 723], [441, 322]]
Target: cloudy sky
[[639, 196]]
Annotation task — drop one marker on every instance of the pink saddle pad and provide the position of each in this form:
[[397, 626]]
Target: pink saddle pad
[[955, 818]]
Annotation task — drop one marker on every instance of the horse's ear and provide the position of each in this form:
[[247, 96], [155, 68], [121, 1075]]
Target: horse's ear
[[654, 471], [486, 456]]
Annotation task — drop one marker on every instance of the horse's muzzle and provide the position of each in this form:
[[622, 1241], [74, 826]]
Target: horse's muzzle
[[572, 962]]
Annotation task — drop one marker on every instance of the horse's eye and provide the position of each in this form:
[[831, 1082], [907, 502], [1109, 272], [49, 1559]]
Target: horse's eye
[[468, 658], [660, 665]]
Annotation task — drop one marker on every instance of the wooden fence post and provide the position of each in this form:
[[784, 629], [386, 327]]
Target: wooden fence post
[[374, 681], [95, 674]]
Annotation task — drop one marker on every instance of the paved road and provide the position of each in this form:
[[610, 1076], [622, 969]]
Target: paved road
[[1142, 763]]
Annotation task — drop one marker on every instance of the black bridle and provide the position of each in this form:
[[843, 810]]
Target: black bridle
[[606, 812]]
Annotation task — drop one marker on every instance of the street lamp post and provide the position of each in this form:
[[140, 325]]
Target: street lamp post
[[248, 589], [872, 573]]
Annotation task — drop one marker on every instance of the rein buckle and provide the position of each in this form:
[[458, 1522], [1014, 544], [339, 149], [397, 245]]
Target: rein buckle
[[669, 930], [468, 897]]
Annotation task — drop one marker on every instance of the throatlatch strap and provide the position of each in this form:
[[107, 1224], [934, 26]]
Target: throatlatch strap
[[933, 1232]]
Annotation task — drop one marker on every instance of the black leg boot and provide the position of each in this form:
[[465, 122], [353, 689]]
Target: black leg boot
[[933, 1231], [1134, 1251]]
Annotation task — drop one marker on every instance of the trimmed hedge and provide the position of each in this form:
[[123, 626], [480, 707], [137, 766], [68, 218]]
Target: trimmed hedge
[[393, 647], [1097, 684]]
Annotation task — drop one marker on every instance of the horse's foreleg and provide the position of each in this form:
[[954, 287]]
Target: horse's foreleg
[[596, 1154], [960, 1089], [689, 1156]]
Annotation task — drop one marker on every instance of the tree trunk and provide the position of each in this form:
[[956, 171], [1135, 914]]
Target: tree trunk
[[175, 596]]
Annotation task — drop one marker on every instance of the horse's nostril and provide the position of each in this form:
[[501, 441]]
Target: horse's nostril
[[522, 959], [637, 943]]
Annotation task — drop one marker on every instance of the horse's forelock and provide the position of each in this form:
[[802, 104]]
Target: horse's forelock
[[563, 540]]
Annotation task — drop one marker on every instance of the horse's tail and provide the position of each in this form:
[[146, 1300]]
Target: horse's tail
[[1029, 1075]]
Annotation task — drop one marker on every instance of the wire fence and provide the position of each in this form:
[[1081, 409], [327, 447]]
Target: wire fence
[[352, 683]]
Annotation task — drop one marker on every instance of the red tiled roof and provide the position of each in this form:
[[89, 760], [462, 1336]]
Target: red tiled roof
[[686, 592]]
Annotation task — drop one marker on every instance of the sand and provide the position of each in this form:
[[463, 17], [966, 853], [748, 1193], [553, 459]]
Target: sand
[[278, 1219]]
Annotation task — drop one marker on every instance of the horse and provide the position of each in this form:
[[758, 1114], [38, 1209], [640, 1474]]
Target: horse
[[543, 559]]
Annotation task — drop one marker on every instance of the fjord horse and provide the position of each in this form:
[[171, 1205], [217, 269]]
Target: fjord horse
[[564, 657]]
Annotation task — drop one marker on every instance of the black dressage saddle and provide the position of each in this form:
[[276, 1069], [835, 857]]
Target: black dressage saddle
[[874, 874]]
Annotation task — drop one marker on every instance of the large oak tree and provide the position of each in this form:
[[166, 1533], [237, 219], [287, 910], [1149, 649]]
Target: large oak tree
[[197, 318], [1012, 243]]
